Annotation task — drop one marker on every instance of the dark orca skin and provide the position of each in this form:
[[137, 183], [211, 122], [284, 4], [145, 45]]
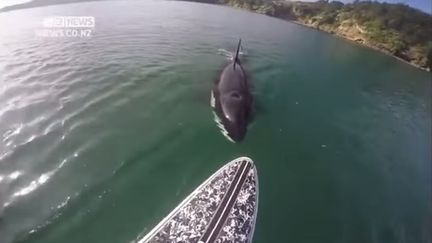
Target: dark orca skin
[[231, 100]]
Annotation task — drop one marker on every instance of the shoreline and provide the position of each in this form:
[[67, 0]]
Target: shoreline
[[335, 34], [375, 48]]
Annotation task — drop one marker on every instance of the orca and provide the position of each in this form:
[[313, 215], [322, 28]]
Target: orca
[[231, 100]]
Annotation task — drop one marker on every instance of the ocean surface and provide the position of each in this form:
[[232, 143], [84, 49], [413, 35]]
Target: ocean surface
[[103, 135]]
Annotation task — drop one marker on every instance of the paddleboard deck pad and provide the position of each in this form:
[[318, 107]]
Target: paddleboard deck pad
[[222, 209]]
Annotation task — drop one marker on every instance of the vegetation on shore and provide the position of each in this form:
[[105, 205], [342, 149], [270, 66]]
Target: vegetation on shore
[[395, 29]]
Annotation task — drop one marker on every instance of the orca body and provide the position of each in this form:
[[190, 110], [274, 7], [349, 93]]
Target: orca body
[[231, 100]]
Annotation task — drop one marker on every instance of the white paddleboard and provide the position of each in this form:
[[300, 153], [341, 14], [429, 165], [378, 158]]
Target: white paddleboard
[[222, 209]]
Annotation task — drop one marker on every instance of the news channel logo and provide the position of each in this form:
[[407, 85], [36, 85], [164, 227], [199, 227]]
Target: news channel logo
[[67, 27]]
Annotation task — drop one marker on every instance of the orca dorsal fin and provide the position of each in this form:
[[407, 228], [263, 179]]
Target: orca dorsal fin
[[237, 53]]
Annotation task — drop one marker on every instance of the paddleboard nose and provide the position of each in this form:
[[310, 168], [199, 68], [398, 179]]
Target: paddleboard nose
[[222, 209]]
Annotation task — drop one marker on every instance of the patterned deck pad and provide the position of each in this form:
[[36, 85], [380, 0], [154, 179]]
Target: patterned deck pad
[[222, 209]]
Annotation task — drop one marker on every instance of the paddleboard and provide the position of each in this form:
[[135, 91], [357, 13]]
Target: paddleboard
[[222, 209]]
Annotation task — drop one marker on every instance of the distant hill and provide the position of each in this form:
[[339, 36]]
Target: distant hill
[[395, 29]]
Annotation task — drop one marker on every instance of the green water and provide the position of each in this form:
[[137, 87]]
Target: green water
[[103, 136]]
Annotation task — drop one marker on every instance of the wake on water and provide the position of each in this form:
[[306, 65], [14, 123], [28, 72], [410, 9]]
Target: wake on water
[[229, 55]]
